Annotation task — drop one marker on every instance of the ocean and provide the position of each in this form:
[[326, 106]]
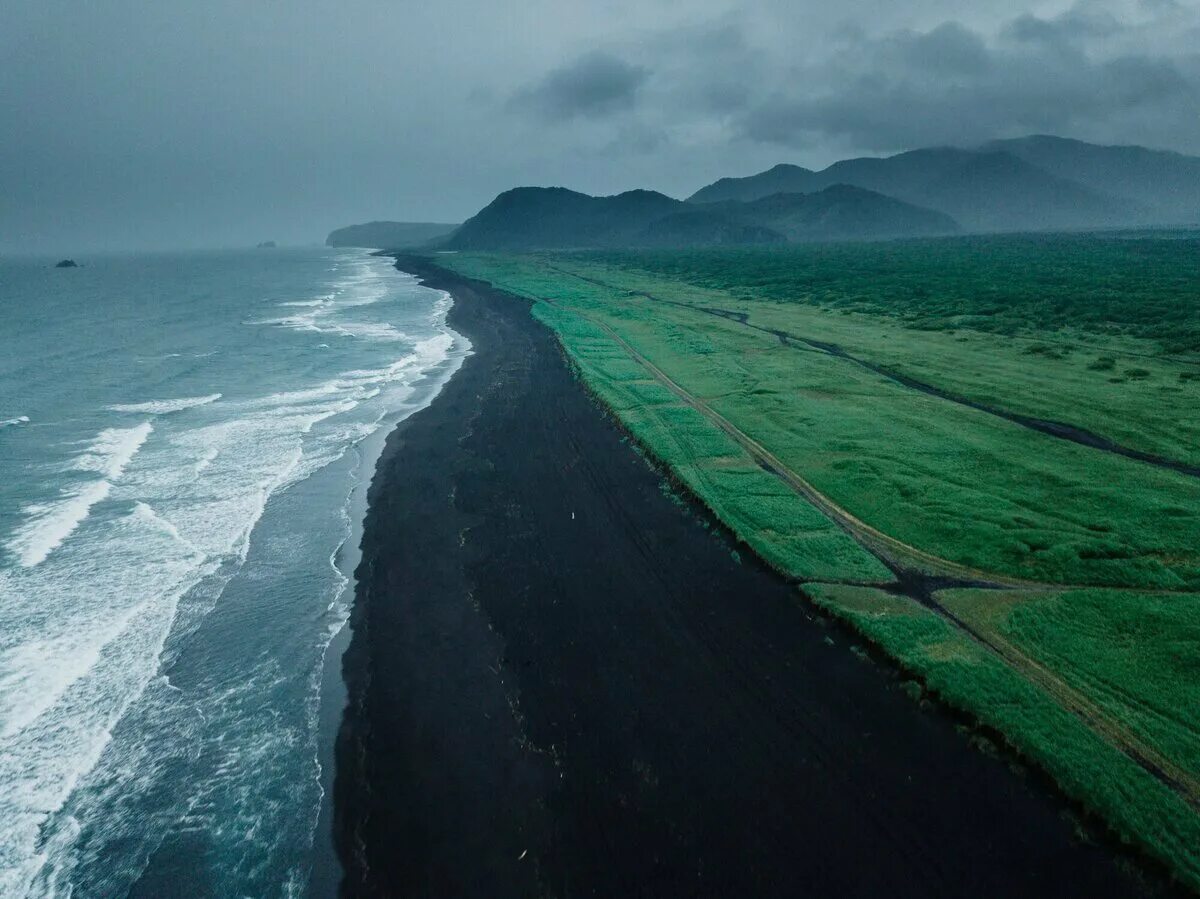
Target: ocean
[[185, 445]]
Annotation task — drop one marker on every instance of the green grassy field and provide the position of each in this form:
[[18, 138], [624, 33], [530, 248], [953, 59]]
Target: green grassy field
[[1085, 760], [1011, 285], [824, 403], [1121, 386]]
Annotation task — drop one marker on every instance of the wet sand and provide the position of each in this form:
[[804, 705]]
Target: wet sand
[[563, 682]]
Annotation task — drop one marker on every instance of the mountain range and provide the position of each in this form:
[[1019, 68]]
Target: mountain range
[[1036, 183], [545, 217]]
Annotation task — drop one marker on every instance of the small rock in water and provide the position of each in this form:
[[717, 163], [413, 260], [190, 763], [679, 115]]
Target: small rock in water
[[67, 263]]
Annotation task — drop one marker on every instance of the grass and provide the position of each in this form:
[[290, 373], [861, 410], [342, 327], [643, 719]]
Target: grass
[[1134, 655], [730, 367], [1072, 372], [1136, 805], [780, 526], [1012, 285], [976, 490]]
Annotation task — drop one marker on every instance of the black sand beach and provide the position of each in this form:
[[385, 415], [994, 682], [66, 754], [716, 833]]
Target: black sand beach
[[562, 682]]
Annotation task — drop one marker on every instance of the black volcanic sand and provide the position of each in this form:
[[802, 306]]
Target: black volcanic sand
[[563, 683]]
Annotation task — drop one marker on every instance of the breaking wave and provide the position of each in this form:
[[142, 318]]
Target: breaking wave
[[163, 407], [47, 525]]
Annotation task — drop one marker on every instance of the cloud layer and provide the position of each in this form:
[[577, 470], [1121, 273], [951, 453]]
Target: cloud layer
[[1101, 71], [955, 85], [128, 123], [596, 84]]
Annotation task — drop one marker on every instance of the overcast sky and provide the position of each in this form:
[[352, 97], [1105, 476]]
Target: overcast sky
[[181, 123]]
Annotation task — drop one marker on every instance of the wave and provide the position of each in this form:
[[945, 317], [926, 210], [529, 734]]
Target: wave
[[19, 420], [84, 638], [145, 513], [68, 679], [36, 673], [205, 460], [368, 283], [163, 407], [49, 524], [52, 523], [369, 331], [316, 323], [113, 449]]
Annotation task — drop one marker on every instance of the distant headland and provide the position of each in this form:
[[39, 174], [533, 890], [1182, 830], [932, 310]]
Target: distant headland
[[388, 235]]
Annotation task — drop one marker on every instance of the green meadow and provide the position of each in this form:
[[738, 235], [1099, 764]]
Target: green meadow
[[847, 410], [1084, 759]]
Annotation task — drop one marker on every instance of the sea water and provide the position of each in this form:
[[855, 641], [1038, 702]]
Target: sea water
[[183, 438]]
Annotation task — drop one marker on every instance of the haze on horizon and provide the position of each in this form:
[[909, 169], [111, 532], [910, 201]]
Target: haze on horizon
[[130, 125]]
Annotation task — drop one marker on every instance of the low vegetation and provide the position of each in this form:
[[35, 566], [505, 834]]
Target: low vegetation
[[1133, 654], [1085, 764], [1018, 414], [1012, 285]]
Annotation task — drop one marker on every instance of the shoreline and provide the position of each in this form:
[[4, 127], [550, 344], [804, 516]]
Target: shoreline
[[563, 680], [327, 870]]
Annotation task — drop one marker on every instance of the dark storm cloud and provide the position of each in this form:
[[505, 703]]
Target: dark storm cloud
[[952, 85], [1064, 30], [596, 84], [1106, 70]]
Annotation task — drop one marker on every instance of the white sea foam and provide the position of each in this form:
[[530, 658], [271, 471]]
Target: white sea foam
[[163, 407], [316, 322], [369, 283], [29, 686], [368, 331], [19, 420], [113, 449], [205, 460], [47, 525], [66, 680], [84, 636]]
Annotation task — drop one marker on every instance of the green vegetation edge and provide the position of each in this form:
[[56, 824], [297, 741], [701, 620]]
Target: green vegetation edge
[[796, 539], [1137, 807]]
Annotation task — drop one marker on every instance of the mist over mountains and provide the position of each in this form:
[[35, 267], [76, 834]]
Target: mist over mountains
[[1036, 183], [387, 235], [1032, 183], [1166, 184]]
